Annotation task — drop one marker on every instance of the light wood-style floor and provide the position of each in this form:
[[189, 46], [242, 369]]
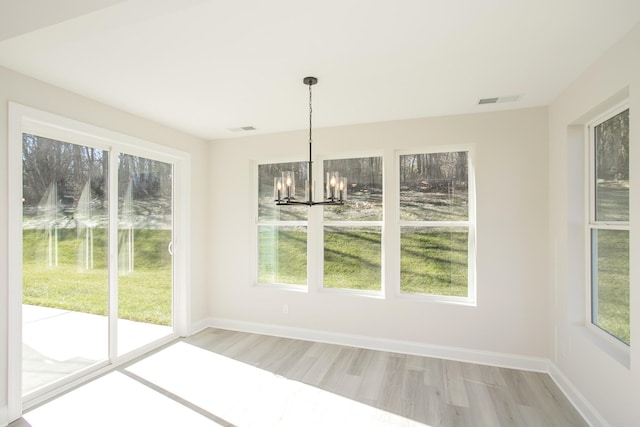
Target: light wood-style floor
[[430, 391], [239, 379]]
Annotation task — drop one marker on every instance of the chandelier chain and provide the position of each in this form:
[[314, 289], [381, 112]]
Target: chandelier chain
[[310, 112]]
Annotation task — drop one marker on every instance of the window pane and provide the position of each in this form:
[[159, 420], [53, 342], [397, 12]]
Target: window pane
[[364, 189], [433, 260], [65, 254], [612, 168], [145, 267], [434, 187], [610, 282], [282, 255], [267, 209], [352, 258]]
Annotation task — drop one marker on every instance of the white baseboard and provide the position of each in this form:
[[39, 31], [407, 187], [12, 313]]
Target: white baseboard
[[199, 326], [582, 405], [372, 343]]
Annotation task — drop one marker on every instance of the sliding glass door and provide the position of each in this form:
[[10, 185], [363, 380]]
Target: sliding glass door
[[97, 273]]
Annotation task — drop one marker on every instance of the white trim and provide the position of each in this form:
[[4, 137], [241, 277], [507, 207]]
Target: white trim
[[270, 222], [112, 266], [322, 224], [353, 224], [582, 405], [199, 326], [472, 293], [603, 339], [54, 124], [425, 224], [606, 342], [504, 360], [14, 302], [181, 245]]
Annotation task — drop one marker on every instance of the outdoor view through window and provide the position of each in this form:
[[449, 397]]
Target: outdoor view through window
[[609, 226], [434, 228], [434, 223]]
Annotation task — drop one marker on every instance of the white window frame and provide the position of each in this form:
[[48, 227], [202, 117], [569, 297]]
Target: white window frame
[[315, 230], [319, 230], [613, 345], [390, 228], [471, 298], [301, 287], [30, 120]]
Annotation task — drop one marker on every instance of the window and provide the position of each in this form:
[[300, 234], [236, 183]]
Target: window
[[435, 225], [282, 231], [341, 247], [608, 225], [353, 232]]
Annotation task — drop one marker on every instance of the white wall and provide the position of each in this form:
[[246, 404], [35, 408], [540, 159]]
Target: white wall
[[511, 170], [608, 385], [18, 88]]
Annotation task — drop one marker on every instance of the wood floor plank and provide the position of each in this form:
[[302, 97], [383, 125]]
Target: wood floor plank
[[454, 386], [390, 397], [373, 374], [322, 364]]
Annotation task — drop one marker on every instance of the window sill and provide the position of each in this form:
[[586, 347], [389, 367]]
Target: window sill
[[353, 292], [282, 286], [439, 299], [617, 350]]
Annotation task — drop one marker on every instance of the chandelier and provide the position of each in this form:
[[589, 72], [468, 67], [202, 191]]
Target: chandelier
[[284, 187]]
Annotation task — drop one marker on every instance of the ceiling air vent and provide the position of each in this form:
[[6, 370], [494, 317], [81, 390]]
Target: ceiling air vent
[[510, 98], [242, 129], [488, 101]]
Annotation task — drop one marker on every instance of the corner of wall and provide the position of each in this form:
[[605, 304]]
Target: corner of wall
[[582, 405]]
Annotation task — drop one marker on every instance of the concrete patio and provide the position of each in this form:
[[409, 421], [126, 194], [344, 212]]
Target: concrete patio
[[57, 343]]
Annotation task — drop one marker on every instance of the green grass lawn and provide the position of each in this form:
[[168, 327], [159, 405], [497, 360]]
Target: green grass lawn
[[287, 264], [613, 283], [434, 261], [144, 295], [352, 258]]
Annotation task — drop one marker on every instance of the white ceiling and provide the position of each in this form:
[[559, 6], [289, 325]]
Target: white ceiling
[[207, 66]]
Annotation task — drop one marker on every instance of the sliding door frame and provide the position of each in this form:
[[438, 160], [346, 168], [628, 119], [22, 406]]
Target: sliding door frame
[[26, 119]]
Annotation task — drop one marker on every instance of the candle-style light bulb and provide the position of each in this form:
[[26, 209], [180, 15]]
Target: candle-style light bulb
[[277, 189], [332, 181], [342, 188], [289, 183]]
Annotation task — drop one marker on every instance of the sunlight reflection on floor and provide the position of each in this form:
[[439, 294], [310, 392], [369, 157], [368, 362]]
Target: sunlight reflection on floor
[[244, 395], [184, 385], [114, 400]]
